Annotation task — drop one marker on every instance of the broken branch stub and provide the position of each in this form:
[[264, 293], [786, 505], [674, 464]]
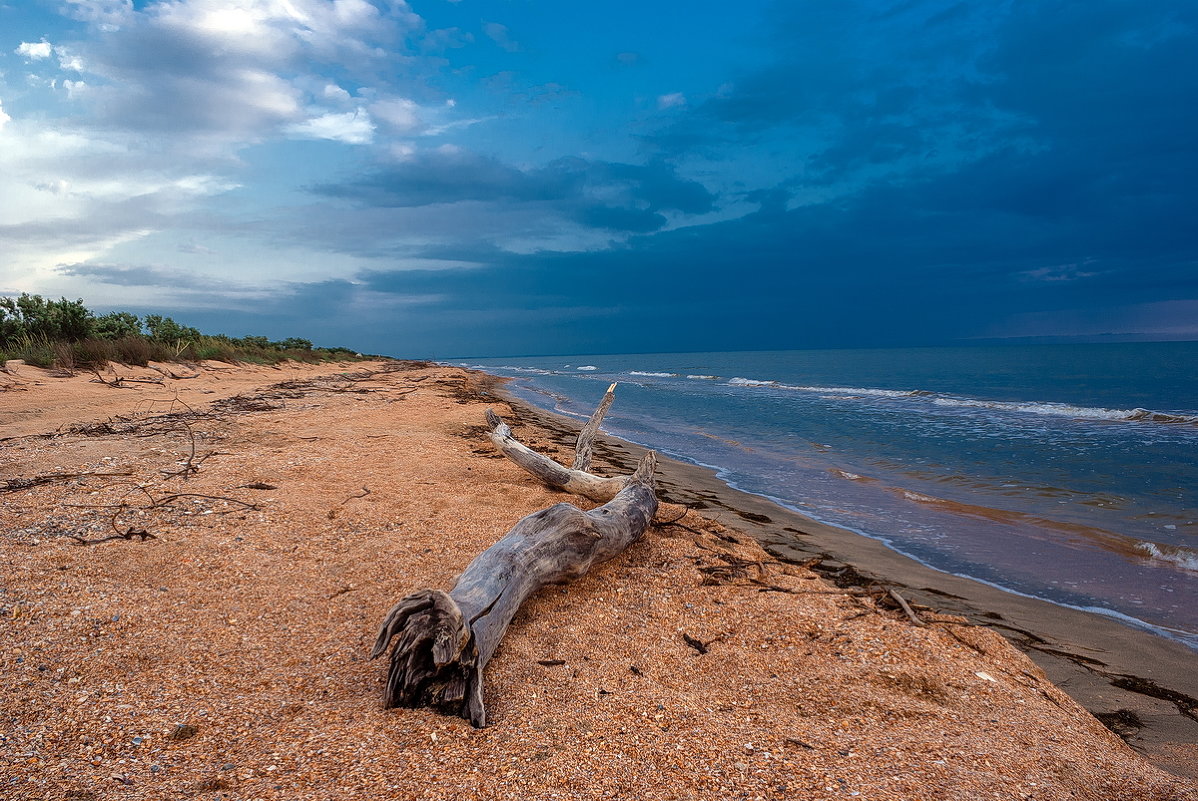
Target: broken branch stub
[[447, 639], [583, 450]]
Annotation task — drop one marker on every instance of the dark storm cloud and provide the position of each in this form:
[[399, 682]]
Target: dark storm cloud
[[122, 275], [623, 197], [952, 256], [854, 84], [142, 276]]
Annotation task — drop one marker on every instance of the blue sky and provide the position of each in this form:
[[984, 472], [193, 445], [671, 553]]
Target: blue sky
[[465, 178]]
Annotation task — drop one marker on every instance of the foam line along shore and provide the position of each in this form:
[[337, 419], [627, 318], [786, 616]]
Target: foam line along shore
[[1063, 474], [1102, 663]]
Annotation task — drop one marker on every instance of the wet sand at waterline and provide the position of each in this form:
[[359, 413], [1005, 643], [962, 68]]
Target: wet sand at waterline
[[194, 572]]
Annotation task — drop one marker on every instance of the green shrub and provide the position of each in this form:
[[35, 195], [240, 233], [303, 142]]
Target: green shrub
[[32, 328], [116, 325], [164, 329], [35, 317], [215, 350]]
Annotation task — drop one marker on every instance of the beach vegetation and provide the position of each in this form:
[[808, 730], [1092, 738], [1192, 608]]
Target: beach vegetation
[[116, 325], [65, 334]]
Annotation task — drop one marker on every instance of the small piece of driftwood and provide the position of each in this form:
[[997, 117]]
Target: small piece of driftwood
[[906, 607], [446, 639]]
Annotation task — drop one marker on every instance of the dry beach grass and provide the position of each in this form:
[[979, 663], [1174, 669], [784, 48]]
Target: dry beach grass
[[222, 654]]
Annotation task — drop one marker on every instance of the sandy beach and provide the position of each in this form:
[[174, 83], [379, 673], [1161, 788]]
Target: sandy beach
[[196, 561]]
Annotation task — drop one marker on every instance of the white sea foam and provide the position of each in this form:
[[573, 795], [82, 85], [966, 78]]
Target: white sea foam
[[533, 370], [1182, 557], [1045, 408], [588, 367], [705, 377], [880, 393], [1068, 410], [652, 375]]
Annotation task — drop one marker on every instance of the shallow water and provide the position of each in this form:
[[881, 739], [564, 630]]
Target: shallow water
[[1062, 472]]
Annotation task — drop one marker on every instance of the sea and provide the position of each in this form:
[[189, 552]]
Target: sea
[[1062, 472]]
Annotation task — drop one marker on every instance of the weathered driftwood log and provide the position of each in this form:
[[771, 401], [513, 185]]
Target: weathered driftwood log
[[447, 638]]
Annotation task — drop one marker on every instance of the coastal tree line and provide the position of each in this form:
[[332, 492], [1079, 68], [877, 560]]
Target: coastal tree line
[[67, 335]]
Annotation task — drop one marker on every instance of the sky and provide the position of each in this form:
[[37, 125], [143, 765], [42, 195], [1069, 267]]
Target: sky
[[445, 179]]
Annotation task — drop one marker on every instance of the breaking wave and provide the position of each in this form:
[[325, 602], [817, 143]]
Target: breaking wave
[[751, 382], [1043, 408], [512, 367], [864, 391], [881, 393], [1178, 555], [1069, 410], [651, 375]]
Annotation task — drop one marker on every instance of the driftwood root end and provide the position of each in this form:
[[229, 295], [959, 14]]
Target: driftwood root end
[[434, 663]]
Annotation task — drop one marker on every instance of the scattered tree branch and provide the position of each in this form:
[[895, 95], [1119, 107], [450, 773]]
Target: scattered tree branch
[[906, 607], [129, 534], [365, 491], [17, 484]]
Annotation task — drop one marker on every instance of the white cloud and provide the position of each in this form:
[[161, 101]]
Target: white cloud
[[69, 196], [35, 51], [402, 151], [500, 35], [108, 15], [400, 114], [334, 93], [167, 95], [68, 60], [235, 72], [671, 100], [352, 127], [196, 248]]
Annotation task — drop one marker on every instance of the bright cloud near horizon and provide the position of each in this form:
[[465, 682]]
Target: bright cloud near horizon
[[445, 178]]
